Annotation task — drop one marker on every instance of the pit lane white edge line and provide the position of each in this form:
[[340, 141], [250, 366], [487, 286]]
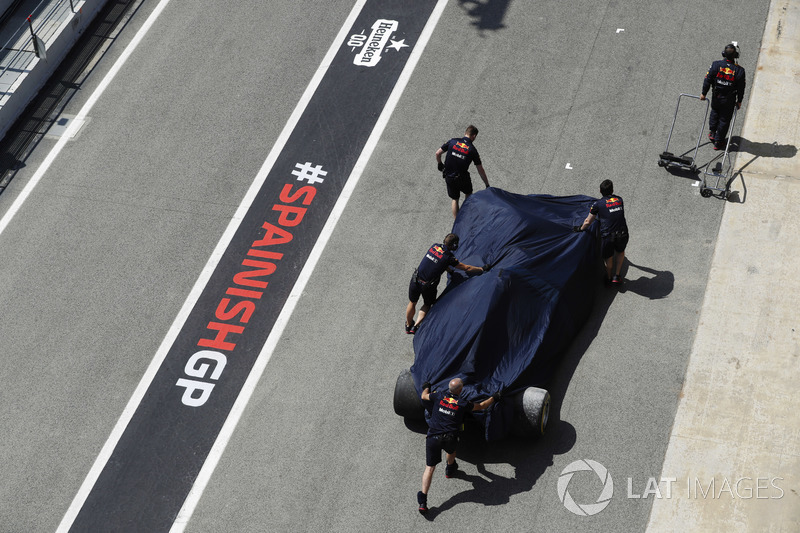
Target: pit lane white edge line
[[211, 264], [185, 514]]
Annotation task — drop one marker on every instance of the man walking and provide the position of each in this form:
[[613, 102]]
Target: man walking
[[460, 153], [727, 79]]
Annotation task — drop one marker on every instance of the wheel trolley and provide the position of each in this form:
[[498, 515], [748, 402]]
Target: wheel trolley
[[720, 172], [667, 159]]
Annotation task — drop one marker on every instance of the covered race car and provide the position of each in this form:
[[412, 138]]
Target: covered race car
[[505, 329]]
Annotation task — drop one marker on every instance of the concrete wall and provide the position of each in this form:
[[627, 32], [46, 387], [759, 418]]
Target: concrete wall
[[39, 71]]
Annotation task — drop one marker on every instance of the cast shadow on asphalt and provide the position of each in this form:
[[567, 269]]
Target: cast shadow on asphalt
[[760, 149], [656, 286], [530, 457], [486, 15], [756, 149]]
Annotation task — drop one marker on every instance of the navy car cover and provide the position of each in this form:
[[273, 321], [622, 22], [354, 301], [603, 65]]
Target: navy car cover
[[504, 329]]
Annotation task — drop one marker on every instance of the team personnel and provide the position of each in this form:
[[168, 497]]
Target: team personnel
[[447, 414], [437, 260], [613, 230], [727, 79], [460, 153]]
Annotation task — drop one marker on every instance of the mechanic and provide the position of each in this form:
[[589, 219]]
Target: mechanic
[[426, 278], [613, 230], [727, 79], [447, 414], [460, 153]]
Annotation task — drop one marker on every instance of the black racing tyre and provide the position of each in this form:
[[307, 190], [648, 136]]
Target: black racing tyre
[[532, 409], [407, 402]]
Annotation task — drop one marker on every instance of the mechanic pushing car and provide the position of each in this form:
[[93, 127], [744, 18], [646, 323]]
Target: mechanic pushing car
[[613, 230], [437, 260], [447, 414]]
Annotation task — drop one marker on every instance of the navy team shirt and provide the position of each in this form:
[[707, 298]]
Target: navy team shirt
[[460, 153], [610, 211], [728, 80], [447, 413], [435, 263]]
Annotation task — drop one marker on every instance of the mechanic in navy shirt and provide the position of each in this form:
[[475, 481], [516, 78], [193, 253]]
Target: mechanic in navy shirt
[[727, 79], [437, 260], [448, 410], [460, 153], [613, 229]]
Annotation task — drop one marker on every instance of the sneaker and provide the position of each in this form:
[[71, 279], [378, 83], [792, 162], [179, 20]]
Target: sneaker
[[411, 329], [616, 280], [717, 147], [450, 470], [422, 500], [414, 329], [711, 137]]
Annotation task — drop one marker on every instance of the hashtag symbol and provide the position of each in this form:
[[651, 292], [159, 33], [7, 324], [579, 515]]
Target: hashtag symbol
[[309, 173]]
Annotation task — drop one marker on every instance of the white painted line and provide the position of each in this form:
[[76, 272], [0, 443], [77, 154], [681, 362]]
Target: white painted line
[[696, 184], [568, 167], [619, 30], [283, 319]]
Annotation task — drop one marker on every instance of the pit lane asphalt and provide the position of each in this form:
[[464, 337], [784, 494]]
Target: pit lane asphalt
[[101, 257]]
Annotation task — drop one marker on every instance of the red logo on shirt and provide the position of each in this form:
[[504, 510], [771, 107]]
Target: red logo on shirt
[[449, 403], [461, 147]]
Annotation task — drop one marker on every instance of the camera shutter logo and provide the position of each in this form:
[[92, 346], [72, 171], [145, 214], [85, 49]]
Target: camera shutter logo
[[585, 509]]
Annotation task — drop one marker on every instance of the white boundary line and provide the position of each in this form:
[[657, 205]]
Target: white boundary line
[[243, 399]]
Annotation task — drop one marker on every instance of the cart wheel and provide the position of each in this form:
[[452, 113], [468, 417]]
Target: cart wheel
[[705, 193], [661, 163]]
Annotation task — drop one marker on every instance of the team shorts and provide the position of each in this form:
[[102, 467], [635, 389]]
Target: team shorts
[[417, 289], [457, 185], [613, 243], [435, 444]]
